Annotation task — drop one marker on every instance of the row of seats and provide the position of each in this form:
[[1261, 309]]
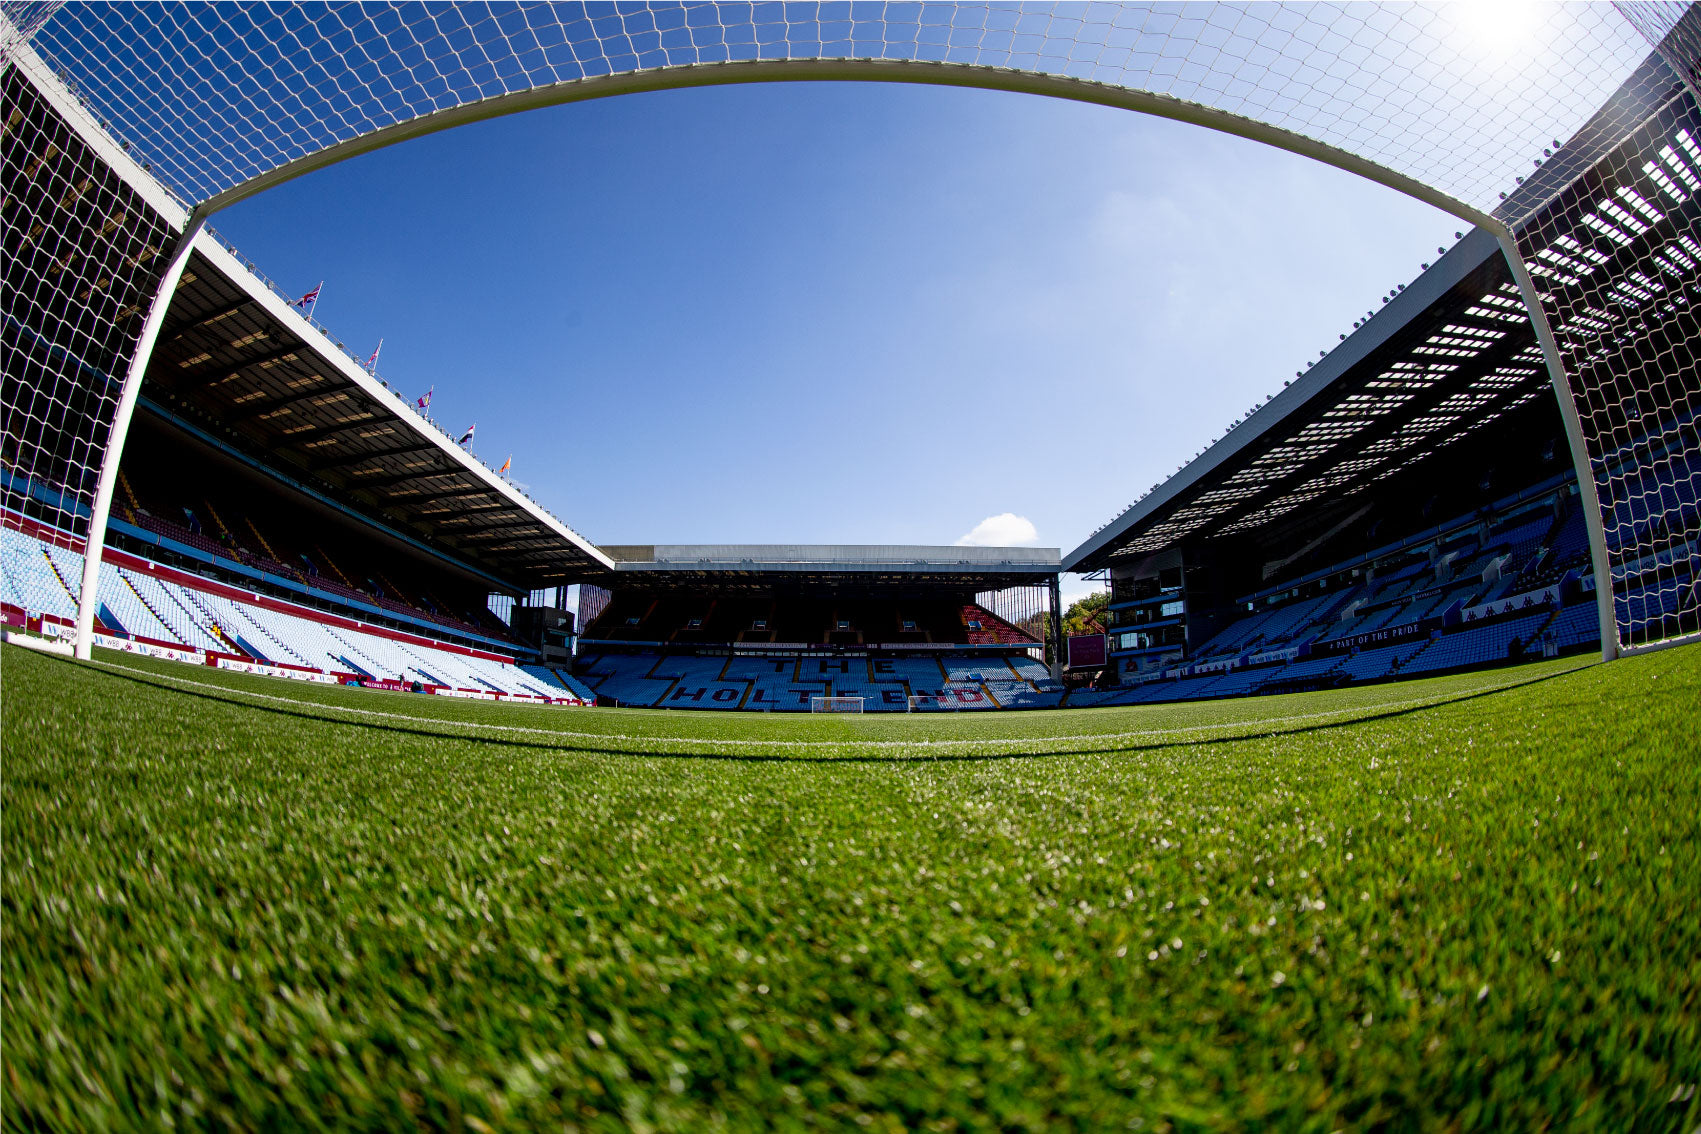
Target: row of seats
[[1412, 588], [1473, 645], [40, 578], [320, 581], [788, 684], [1265, 629]]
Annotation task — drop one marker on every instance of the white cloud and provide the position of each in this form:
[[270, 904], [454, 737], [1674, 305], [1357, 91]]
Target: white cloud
[[1003, 530]]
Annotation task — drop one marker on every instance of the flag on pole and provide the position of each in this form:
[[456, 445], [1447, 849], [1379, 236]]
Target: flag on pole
[[311, 299], [424, 401], [506, 465], [467, 436], [372, 363]]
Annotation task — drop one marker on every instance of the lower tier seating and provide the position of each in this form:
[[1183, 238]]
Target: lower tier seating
[[160, 605], [1545, 629]]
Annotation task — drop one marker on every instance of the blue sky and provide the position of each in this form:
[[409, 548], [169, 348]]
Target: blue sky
[[847, 313]]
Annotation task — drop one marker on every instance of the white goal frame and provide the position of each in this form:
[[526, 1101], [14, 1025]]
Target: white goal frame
[[834, 703]]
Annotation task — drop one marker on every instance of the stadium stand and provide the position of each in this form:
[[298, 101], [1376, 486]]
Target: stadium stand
[[280, 507], [188, 500], [786, 683], [775, 628], [151, 604], [1501, 582], [1479, 589]]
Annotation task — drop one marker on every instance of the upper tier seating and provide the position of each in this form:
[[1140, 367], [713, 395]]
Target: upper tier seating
[[671, 619], [169, 501]]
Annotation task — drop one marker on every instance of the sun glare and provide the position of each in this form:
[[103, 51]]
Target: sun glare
[[1499, 27]]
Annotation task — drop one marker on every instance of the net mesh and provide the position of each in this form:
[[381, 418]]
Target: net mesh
[[209, 97], [83, 256], [216, 94], [1678, 41], [1617, 258], [20, 21]]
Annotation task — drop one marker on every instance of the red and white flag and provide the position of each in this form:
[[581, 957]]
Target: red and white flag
[[372, 363]]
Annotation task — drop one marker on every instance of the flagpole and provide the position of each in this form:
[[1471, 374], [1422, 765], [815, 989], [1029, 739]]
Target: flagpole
[[314, 306]]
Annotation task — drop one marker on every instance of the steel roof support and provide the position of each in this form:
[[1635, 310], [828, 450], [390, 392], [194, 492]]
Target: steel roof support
[[519, 521], [88, 597], [206, 375], [423, 495], [362, 458], [308, 436], [211, 317], [271, 407], [1355, 447]]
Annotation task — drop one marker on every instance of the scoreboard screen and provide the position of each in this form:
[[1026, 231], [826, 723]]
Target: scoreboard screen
[[1086, 651]]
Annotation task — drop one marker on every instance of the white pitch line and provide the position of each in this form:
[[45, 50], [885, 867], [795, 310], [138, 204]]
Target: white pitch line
[[1264, 723]]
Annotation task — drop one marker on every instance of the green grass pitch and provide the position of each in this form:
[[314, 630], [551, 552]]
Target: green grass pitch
[[1470, 902]]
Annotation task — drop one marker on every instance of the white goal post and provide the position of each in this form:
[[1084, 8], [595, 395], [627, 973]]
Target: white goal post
[[820, 704]]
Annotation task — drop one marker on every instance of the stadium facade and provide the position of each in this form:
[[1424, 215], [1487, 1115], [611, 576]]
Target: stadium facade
[[1501, 460]]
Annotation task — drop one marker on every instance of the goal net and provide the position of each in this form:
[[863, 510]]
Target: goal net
[[1617, 257], [819, 704], [1408, 91], [84, 253]]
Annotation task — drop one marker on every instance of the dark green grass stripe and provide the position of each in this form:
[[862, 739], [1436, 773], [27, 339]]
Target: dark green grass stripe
[[656, 742]]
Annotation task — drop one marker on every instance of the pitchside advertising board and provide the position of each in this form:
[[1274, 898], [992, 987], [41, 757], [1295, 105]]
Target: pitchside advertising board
[[240, 665], [1087, 651], [389, 684], [170, 653]]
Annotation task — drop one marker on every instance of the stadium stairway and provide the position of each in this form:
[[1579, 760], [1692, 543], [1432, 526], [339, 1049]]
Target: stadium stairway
[[549, 675], [153, 625], [60, 573]]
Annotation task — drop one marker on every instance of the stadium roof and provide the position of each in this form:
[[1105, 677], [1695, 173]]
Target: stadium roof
[[237, 357], [1444, 358], [239, 360], [979, 568]]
